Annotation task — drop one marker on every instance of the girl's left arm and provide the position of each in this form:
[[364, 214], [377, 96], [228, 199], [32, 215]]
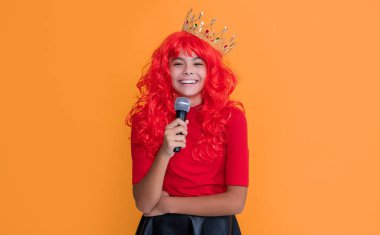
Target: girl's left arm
[[229, 203]]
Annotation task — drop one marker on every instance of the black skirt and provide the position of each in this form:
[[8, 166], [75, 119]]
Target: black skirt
[[179, 224]]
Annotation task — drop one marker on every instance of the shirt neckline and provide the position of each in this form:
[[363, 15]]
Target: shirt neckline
[[196, 107]]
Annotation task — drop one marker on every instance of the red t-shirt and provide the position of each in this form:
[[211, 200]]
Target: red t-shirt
[[188, 177]]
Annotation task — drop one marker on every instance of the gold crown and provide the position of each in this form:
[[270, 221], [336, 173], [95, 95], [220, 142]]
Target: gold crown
[[196, 27]]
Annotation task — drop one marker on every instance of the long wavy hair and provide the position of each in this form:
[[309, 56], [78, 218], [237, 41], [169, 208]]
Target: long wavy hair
[[154, 107]]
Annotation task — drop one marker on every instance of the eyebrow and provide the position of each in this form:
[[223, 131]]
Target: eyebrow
[[180, 58]]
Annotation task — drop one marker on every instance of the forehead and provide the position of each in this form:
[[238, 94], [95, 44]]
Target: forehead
[[183, 53]]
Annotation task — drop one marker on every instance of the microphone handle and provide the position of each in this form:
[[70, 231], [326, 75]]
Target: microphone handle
[[182, 115]]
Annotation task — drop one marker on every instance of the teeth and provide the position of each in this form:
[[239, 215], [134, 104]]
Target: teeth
[[188, 81]]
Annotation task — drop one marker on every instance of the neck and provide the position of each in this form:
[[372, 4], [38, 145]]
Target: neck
[[195, 101]]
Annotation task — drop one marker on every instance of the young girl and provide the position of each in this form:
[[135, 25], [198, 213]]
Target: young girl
[[199, 189]]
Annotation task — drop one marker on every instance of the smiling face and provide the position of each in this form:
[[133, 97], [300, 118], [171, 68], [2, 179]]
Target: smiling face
[[188, 73]]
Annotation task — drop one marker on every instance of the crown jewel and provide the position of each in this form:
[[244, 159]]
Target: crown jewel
[[197, 27]]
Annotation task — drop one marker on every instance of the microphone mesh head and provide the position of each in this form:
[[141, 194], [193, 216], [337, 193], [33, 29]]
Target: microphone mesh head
[[182, 103]]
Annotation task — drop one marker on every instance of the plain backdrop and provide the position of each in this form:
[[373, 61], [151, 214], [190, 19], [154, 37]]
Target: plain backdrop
[[308, 75]]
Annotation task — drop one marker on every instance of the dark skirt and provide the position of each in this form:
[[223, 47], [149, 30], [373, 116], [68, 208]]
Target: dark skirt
[[179, 224]]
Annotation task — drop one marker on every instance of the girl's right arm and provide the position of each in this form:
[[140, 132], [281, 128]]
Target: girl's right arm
[[148, 191]]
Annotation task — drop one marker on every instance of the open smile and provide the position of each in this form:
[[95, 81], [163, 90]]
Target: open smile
[[188, 81]]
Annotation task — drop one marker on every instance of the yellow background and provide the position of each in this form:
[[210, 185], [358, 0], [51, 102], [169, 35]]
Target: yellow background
[[308, 76]]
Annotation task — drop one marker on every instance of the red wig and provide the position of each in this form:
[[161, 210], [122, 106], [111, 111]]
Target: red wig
[[154, 107]]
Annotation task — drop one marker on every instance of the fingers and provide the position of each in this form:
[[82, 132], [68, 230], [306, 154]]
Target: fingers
[[176, 126], [174, 136], [172, 141], [177, 122], [176, 141], [174, 132], [179, 129]]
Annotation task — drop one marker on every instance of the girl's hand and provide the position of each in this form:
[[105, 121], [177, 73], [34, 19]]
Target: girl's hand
[[161, 207], [171, 139]]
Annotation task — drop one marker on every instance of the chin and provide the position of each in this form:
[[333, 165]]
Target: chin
[[187, 93]]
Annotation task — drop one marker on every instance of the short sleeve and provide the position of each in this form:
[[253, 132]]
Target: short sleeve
[[237, 159], [141, 162]]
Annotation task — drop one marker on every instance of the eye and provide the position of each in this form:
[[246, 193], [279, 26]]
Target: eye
[[198, 64], [176, 63]]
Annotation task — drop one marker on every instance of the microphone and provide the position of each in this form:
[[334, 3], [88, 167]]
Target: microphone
[[181, 106]]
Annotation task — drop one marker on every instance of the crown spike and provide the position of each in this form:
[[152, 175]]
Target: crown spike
[[232, 38], [223, 31], [200, 15], [189, 12], [192, 18]]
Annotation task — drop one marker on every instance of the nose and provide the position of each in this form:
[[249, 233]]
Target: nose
[[187, 70], [187, 73]]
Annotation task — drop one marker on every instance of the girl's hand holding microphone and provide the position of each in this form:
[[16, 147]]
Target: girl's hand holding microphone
[[172, 138]]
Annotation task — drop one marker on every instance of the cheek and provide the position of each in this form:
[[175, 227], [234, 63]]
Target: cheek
[[204, 74], [174, 72], [172, 75]]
